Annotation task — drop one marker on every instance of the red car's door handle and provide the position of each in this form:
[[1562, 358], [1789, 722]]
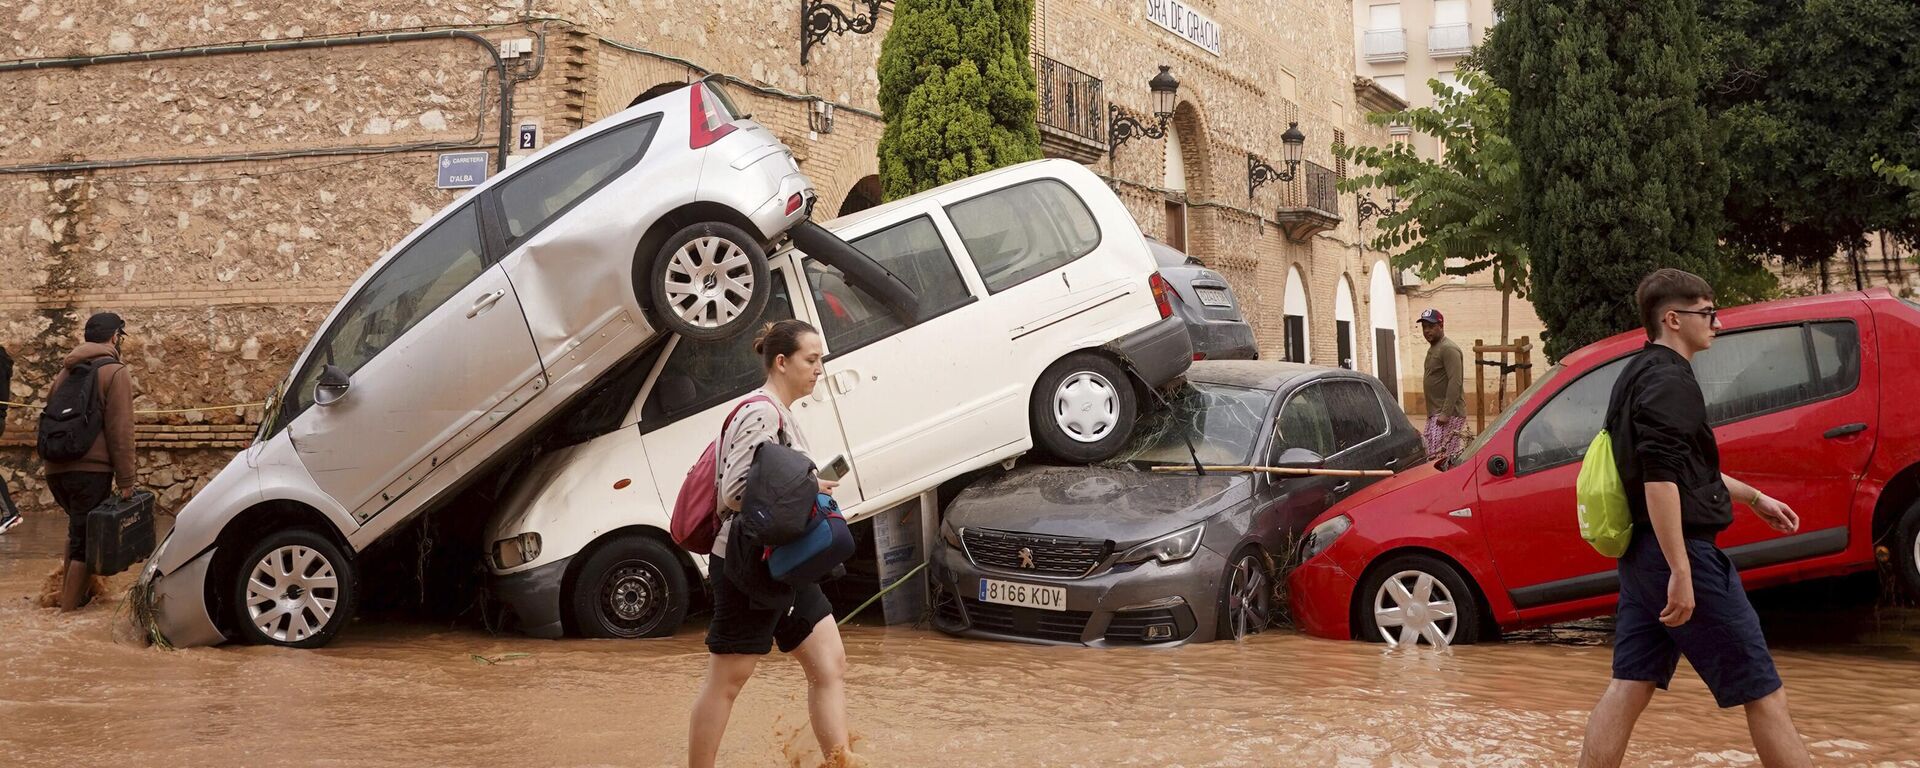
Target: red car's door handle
[[1845, 429]]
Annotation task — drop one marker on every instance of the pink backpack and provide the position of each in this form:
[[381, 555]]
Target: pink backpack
[[696, 512]]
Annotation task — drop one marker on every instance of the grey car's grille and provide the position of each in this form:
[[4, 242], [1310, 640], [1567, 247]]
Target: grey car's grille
[[1058, 626], [1051, 555]]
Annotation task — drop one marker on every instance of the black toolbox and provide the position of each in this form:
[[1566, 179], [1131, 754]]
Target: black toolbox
[[120, 533]]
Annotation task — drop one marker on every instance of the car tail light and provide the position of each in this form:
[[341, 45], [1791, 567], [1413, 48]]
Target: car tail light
[[1199, 356], [793, 203], [1162, 294], [709, 124]]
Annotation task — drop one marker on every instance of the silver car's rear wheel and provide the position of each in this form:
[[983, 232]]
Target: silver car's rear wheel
[[294, 589], [709, 282]]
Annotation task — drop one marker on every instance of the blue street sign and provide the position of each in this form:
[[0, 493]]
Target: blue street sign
[[462, 169]]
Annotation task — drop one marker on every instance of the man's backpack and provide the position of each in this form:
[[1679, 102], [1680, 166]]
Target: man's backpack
[[75, 413], [696, 511], [1606, 522]]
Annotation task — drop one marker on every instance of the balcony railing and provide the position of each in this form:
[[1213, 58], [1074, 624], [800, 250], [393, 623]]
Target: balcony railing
[[1450, 39], [1385, 45], [1071, 101], [1322, 195]]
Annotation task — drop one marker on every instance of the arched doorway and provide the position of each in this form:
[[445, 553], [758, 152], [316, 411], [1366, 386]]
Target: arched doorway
[[1343, 332], [866, 193], [1385, 319], [1295, 320]]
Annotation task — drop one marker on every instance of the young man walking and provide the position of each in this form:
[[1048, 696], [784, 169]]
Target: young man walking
[[82, 484], [1445, 389], [1679, 594]]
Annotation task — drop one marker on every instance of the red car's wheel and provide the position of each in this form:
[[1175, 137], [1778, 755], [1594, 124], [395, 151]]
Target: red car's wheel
[[1415, 599]]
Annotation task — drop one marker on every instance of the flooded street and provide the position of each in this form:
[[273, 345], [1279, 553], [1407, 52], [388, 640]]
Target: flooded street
[[75, 691]]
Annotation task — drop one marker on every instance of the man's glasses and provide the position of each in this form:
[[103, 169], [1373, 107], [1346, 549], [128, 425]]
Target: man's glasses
[[1712, 314]]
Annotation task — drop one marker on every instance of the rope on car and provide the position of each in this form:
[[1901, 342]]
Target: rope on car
[[883, 593], [1280, 470], [234, 406]]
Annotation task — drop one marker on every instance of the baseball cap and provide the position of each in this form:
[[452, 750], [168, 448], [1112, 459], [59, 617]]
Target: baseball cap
[[102, 326], [1432, 316]]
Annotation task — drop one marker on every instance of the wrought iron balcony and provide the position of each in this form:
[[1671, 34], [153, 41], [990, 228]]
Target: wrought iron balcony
[[1450, 39], [1384, 46], [1072, 111], [1312, 205]]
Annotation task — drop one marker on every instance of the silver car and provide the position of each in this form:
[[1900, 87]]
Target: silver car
[[1214, 322], [461, 342]]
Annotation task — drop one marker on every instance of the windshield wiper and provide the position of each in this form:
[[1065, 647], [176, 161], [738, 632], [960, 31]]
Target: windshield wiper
[[1186, 435]]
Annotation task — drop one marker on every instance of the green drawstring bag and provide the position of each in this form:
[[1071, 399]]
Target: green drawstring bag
[[1605, 521]]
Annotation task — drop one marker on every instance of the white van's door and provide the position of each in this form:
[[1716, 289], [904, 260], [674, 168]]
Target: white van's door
[[697, 384]]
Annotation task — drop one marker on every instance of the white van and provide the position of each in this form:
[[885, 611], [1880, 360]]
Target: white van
[[1041, 323]]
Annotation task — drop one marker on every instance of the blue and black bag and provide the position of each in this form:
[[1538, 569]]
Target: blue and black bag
[[824, 546]]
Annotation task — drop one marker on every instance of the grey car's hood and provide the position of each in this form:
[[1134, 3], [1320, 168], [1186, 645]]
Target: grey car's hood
[[1096, 503]]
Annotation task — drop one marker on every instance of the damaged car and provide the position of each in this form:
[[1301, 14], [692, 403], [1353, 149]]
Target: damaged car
[[470, 335], [1122, 554], [1041, 324]]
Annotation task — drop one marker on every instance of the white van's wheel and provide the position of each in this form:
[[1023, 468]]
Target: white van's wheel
[[1083, 408], [709, 282], [630, 587], [294, 589]]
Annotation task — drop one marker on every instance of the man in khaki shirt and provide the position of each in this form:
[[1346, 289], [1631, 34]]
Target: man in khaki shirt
[[1445, 389]]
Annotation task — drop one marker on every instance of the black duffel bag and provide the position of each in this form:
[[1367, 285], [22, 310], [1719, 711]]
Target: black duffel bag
[[778, 502]]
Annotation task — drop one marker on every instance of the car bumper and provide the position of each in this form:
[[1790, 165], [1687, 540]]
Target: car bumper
[[179, 603], [534, 597], [772, 217], [1320, 596], [1112, 609], [1159, 352], [1223, 340]]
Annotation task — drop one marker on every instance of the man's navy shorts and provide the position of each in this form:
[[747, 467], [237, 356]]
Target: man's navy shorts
[[1722, 641]]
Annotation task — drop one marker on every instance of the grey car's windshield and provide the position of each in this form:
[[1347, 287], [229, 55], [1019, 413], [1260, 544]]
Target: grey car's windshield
[[1223, 422], [1486, 435]]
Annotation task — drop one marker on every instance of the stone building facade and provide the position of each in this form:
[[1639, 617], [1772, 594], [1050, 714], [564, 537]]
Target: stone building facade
[[223, 197]]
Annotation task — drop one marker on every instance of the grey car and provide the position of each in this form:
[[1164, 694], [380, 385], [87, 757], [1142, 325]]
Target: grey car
[[1119, 555], [1207, 303]]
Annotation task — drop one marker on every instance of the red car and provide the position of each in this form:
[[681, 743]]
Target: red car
[[1805, 398]]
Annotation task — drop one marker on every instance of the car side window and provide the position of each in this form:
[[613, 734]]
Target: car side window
[[1356, 413], [1561, 430], [914, 252], [1752, 372], [538, 195], [700, 375], [1023, 231], [408, 288], [1836, 357], [1306, 422]]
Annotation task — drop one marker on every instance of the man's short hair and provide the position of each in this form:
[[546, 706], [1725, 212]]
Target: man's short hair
[[1663, 289]]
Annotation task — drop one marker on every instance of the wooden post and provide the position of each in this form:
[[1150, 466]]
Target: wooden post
[[1479, 387]]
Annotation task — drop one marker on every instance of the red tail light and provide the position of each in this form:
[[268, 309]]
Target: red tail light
[[1199, 356], [709, 124], [793, 203], [1162, 294]]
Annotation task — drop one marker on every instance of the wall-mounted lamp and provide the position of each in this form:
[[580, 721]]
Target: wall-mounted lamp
[[1370, 209], [1259, 173], [819, 18], [1122, 125]]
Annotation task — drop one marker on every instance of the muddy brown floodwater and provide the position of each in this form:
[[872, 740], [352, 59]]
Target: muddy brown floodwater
[[75, 691]]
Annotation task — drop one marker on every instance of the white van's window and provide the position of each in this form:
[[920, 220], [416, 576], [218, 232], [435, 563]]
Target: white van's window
[[914, 252], [410, 287], [700, 375], [540, 194], [1024, 231]]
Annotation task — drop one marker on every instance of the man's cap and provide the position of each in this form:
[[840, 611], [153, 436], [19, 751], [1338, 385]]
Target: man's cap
[[1432, 316], [102, 326]]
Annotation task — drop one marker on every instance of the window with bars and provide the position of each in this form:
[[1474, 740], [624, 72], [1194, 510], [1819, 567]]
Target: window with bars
[[1339, 159]]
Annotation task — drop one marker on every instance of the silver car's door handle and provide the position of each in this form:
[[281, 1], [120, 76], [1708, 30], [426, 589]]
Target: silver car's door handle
[[485, 303]]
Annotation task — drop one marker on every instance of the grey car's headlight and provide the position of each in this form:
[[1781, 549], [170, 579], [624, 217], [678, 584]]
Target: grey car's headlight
[[517, 551], [1322, 536], [950, 534], [1171, 548]]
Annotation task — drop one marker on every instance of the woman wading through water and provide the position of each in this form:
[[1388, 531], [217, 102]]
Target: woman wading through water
[[746, 624]]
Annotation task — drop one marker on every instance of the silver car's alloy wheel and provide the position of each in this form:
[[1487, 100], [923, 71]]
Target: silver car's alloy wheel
[[1249, 598], [1086, 407], [292, 593], [634, 598], [1413, 606], [709, 282]]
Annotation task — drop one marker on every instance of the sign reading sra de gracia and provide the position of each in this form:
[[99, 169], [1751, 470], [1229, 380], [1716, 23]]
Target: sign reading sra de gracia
[[1191, 25]]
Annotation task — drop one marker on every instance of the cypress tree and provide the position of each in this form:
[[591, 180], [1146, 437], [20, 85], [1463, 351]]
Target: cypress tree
[[957, 91], [1620, 167]]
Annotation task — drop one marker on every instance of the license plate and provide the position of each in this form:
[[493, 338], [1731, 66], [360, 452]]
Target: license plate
[[1214, 297], [1024, 595]]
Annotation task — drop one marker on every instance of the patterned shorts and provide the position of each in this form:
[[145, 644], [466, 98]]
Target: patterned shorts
[[1446, 440]]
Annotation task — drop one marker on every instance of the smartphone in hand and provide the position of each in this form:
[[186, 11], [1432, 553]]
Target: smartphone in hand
[[836, 469]]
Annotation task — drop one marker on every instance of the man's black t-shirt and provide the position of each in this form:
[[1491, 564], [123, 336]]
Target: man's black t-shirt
[[1658, 420]]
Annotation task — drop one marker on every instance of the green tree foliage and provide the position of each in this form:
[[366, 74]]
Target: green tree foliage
[[1457, 215], [1622, 172], [957, 91], [1809, 95]]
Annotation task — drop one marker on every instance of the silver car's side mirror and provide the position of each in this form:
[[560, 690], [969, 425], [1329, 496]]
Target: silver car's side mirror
[[332, 387]]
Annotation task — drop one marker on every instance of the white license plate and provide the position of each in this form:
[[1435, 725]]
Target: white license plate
[[1214, 297], [1024, 595]]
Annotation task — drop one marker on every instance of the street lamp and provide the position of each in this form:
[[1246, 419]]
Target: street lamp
[[1370, 209], [1122, 125], [1259, 173]]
